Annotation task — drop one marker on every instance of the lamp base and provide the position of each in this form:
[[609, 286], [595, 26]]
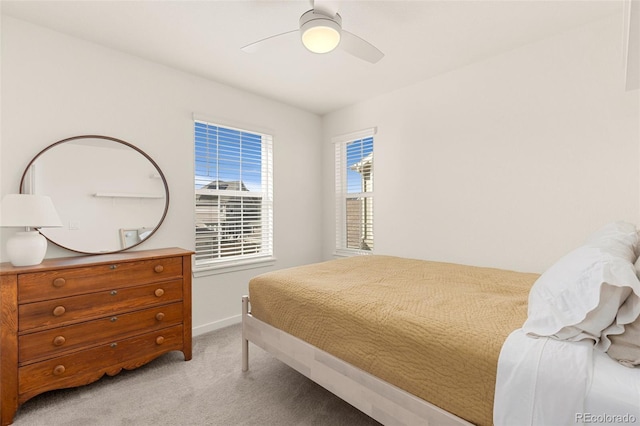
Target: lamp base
[[26, 248]]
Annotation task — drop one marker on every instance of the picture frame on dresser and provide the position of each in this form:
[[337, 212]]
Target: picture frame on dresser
[[69, 321]]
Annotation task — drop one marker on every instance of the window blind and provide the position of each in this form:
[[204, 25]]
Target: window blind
[[354, 195], [233, 195]]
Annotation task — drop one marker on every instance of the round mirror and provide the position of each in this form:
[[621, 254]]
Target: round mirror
[[110, 195]]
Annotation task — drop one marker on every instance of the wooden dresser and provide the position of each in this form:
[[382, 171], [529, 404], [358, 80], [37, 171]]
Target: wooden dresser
[[69, 321]]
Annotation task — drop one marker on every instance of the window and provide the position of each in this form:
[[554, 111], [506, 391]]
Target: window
[[233, 196], [354, 193]]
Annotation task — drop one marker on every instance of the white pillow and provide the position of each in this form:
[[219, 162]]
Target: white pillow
[[580, 295], [628, 315], [617, 238], [625, 348]]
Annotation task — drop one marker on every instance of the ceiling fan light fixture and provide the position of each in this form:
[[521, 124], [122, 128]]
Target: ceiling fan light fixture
[[320, 33]]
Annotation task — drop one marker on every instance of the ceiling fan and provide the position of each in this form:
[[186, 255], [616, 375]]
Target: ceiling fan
[[321, 31]]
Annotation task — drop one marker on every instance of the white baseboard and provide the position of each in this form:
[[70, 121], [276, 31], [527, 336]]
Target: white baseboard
[[216, 325]]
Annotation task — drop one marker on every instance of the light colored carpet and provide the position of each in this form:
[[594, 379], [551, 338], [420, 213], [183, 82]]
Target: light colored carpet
[[208, 390]]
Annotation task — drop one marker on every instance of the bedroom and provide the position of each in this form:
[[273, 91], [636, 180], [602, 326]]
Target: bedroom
[[509, 160]]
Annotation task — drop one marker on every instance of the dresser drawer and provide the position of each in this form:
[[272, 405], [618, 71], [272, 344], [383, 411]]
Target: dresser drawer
[[87, 366], [62, 340], [74, 309], [68, 282]]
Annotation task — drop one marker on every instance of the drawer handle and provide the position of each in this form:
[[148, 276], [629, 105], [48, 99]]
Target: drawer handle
[[59, 282], [59, 310], [113, 319], [159, 340], [114, 345], [160, 316], [159, 292], [113, 266], [114, 292], [59, 340], [158, 268], [58, 370]]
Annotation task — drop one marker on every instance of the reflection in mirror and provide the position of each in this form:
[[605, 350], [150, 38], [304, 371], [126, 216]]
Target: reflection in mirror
[[109, 194], [132, 237]]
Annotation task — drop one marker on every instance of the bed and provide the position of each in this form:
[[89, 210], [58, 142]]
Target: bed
[[410, 341]]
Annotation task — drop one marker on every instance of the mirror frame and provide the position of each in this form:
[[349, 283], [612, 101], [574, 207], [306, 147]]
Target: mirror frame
[[109, 138]]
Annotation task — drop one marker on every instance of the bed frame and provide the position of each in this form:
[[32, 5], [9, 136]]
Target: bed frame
[[378, 399]]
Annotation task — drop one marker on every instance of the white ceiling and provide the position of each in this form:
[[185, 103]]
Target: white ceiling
[[420, 39]]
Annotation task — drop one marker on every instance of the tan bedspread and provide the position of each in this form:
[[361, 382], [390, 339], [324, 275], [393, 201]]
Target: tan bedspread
[[433, 329]]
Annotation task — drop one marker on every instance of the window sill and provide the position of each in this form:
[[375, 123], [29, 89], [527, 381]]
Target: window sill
[[233, 266], [351, 252]]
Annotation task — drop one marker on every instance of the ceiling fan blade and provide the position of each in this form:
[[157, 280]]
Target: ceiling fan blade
[[256, 45], [359, 47]]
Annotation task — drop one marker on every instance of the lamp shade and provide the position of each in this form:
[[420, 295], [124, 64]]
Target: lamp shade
[[27, 248], [320, 33], [27, 210]]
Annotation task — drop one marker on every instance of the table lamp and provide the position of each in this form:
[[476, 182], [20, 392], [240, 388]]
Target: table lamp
[[27, 247]]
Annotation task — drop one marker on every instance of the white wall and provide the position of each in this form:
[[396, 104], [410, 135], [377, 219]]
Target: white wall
[[55, 86], [509, 162]]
